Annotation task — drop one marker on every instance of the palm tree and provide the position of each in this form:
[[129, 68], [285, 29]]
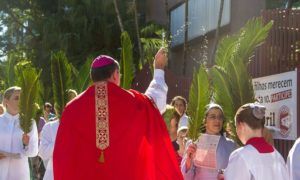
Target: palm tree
[[127, 67], [61, 80], [151, 39], [231, 84], [82, 77], [231, 81]]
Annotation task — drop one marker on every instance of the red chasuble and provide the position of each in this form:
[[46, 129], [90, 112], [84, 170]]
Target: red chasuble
[[139, 145]]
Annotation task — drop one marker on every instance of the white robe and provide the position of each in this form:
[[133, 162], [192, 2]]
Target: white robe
[[183, 121], [11, 142], [293, 161], [47, 141], [246, 163], [158, 89]]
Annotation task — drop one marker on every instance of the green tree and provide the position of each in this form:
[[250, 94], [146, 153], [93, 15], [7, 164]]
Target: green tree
[[61, 80], [231, 84], [127, 67]]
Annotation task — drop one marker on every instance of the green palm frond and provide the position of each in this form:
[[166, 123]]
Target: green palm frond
[[10, 72], [151, 29], [74, 71], [83, 79], [28, 81], [241, 46], [168, 115], [231, 80], [127, 66], [252, 35], [222, 90], [41, 93], [61, 80], [152, 41], [150, 47], [226, 50], [240, 82], [199, 97]]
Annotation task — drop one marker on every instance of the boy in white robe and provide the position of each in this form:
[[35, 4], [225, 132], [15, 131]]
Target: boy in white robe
[[257, 159], [15, 146]]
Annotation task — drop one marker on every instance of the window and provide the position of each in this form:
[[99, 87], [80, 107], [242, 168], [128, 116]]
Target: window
[[202, 18], [177, 25]]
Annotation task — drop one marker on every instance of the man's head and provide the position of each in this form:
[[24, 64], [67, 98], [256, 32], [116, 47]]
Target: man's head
[[105, 68], [11, 99]]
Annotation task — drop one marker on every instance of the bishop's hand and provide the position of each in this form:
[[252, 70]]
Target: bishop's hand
[[161, 59]]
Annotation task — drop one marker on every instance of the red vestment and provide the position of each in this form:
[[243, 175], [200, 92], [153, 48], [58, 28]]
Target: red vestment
[[140, 147]]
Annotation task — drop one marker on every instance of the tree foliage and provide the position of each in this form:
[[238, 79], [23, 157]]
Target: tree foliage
[[61, 80], [152, 40], [231, 84], [199, 97], [82, 77], [79, 28], [127, 67]]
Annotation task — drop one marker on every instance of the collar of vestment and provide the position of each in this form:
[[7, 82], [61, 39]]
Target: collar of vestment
[[260, 144], [6, 114], [11, 117]]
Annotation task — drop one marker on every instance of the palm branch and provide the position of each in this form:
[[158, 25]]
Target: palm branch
[[28, 81], [127, 66], [9, 76], [61, 80], [222, 90], [231, 80], [152, 41], [83, 79], [199, 97], [224, 96]]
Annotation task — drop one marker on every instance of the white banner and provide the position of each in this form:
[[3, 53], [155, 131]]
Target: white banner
[[279, 94]]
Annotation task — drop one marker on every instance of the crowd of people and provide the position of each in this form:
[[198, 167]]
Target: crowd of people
[[107, 132]]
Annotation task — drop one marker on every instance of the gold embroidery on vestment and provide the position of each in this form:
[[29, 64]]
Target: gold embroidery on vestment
[[102, 119]]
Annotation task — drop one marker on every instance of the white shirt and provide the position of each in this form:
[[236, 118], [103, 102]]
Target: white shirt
[[11, 142], [158, 89], [183, 121], [47, 142], [246, 163], [293, 161]]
